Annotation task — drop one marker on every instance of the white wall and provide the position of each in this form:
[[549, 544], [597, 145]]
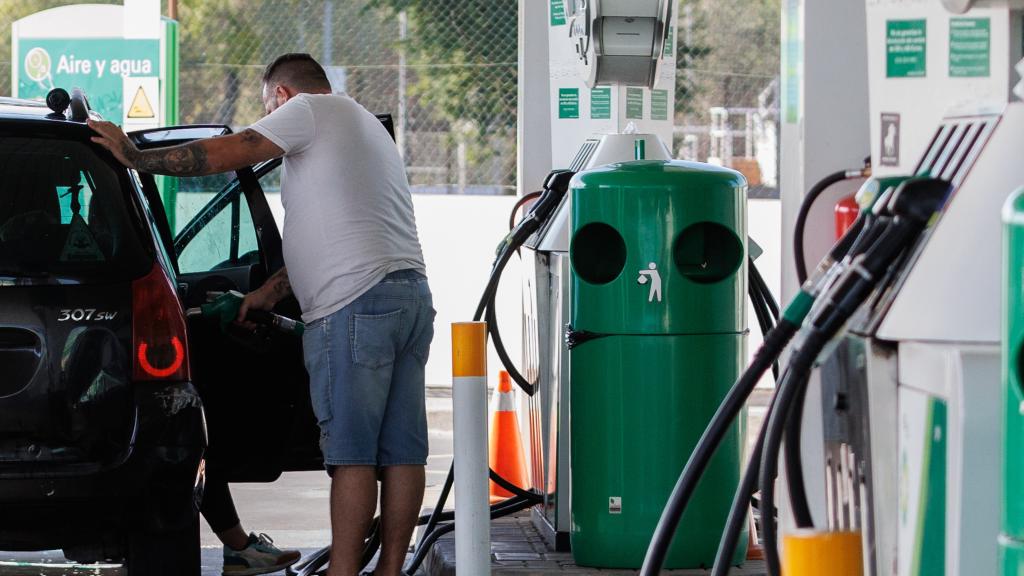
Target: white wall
[[459, 235]]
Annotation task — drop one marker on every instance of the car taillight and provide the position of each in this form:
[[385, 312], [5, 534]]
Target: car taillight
[[159, 340]]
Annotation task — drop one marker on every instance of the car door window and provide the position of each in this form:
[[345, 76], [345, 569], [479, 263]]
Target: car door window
[[218, 230]]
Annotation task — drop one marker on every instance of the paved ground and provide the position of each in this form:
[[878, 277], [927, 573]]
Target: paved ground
[[293, 511], [518, 550]]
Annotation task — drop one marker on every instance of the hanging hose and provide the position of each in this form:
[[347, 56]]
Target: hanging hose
[[740, 505], [519, 204], [860, 235], [863, 233], [555, 188], [805, 209], [799, 503], [719, 426], [913, 205]]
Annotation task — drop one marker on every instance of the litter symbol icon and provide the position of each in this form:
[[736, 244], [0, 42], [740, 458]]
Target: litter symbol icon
[[141, 107], [651, 275]]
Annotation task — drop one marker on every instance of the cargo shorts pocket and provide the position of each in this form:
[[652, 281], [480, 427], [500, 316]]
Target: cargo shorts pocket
[[317, 353], [374, 338]]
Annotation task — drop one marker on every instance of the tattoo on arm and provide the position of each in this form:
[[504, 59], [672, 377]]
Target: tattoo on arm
[[280, 285], [185, 160], [251, 137]]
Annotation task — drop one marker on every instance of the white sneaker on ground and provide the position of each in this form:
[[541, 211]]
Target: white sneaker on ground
[[259, 557]]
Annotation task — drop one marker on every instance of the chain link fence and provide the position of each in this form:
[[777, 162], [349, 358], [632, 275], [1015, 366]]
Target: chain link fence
[[446, 70], [727, 88]]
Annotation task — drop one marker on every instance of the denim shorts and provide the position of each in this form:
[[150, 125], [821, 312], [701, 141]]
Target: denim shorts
[[366, 374]]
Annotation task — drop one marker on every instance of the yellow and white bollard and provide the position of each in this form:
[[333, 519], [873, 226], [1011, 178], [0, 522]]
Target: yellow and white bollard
[[469, 398], [814, 553]]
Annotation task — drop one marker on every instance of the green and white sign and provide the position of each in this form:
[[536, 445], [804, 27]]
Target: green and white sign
[[634, 103], [558, 13], [906, 48], [659, 105], [99, 66], [568, 103], [970, 45], [601, 104], [124, 57]]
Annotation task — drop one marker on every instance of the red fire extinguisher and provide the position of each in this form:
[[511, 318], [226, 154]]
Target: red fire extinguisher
[[846, 211]]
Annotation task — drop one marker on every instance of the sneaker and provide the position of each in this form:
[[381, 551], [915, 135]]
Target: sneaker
[[260, 556]]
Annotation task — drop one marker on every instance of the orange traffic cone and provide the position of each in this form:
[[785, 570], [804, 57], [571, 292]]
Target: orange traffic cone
[[506, 450]]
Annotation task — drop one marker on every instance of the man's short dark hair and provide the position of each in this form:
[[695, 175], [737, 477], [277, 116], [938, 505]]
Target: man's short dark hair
[[297, 70]]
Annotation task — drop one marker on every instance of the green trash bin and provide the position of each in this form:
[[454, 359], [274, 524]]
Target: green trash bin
[[1011, 541], [657, 338]]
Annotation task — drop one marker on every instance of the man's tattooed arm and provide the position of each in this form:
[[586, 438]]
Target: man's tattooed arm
[[279, 285], [206, 156], [185, 160]]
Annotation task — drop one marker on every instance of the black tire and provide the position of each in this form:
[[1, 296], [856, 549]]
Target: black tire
[[164, 553]]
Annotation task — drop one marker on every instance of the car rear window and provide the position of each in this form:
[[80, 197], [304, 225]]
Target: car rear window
[[63, 215]]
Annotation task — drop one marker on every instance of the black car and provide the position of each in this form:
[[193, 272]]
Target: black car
[[112, 402]]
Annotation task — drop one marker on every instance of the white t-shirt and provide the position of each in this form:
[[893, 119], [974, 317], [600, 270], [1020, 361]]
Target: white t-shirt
[[348, 213]]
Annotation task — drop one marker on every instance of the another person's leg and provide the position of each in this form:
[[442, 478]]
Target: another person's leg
[[219, 510], [403, 439], [244, 553]]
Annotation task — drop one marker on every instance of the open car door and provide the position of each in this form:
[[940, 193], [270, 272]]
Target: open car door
[[255, 389]]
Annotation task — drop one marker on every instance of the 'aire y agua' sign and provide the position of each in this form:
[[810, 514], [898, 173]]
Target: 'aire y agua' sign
[[129, 80]]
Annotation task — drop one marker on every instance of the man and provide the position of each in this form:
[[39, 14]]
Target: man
[[354, 262]]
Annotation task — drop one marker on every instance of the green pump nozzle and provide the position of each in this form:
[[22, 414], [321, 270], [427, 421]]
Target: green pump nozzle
[[224, 309]]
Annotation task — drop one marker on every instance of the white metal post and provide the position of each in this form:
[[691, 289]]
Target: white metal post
[[472, 501]]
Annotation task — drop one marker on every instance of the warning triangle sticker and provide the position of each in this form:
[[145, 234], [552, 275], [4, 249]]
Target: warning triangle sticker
[[80, 245], [141, 108]]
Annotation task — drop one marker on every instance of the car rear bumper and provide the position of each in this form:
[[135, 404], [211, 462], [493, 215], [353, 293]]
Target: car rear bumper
[[156, 488]]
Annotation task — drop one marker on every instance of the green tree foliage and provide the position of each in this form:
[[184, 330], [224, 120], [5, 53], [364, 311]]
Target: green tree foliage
[[466, 54], [728, 52]]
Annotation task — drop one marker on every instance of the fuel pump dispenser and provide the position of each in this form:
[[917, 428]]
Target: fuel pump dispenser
[[914, 397], [606, 56]]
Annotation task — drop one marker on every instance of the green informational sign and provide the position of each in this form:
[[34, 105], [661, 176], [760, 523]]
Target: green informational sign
[[96, 65], [906, 48], [669, 43], [792, 56], [557, 12], [659, 105], [634, 103], [970, 45], [601, 104], [568, 103]]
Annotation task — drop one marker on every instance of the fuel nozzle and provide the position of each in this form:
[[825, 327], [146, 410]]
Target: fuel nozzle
[[223, 307], [909, 211]]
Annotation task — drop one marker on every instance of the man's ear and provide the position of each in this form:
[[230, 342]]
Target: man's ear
[[283, 94]]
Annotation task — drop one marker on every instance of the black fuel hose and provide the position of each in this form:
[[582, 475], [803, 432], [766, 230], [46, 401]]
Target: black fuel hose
[[806, 204], [547, 201], [519, 204], [510, 506], [799, 502], [774, 344], [740, 505], [802, 361], [913, 206], [863, 234]]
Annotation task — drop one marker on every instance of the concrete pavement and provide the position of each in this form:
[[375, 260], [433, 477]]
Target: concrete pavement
[[293, 511]]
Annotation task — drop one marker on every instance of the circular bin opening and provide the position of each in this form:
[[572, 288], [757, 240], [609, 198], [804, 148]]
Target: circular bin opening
[[707, 252], [598, 253]]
